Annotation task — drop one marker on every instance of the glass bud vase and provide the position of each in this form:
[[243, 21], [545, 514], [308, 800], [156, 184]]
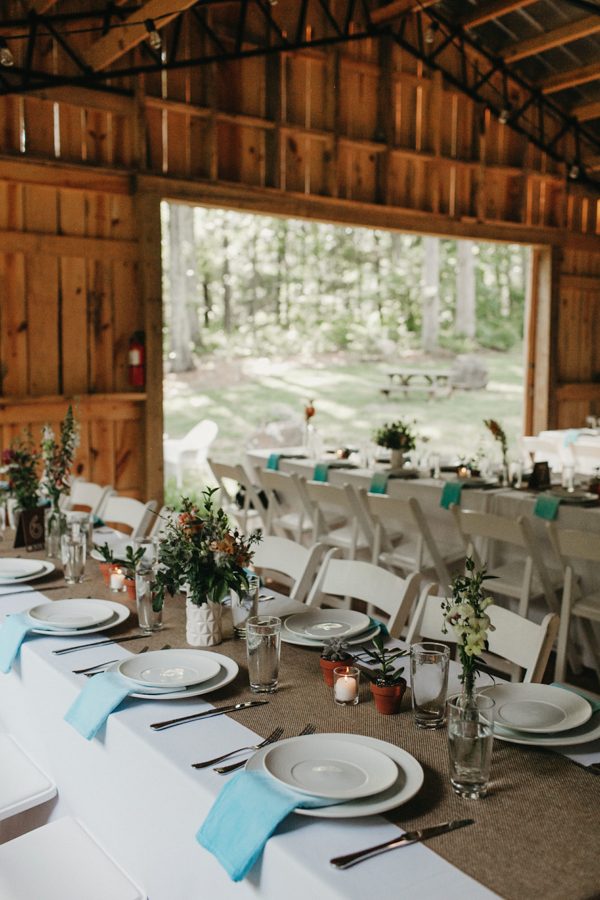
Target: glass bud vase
[[55, 525]]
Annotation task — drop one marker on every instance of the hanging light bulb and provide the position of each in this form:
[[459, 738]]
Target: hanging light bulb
[[430, 33], [574, 172], [504, 115], [154, 38], [6, 57]]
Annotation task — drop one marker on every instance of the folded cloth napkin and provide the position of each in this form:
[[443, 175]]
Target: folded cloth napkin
[[99, 697], [451, 494], [13, 632], [546, 507], [379, 483], [321, 472], [273, 461], [383, 632], [595, 704], [245, 815]]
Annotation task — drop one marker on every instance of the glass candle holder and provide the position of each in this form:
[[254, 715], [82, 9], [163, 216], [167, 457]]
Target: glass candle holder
[[116, 579], [345, 685]]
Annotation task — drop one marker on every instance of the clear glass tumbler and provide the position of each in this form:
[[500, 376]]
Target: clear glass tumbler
[[73, 548], [55, 526], [429, 683], [263, 643], [145, 592], [244, 604], [470, 742]]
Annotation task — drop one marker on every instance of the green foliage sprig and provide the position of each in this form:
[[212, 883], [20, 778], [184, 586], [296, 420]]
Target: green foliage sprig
[[21, 463], [58, 457], [396, 436]]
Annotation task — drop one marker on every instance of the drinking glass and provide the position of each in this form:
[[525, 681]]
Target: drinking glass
[[434, 465], [78, 520], [145, 593], [72, 549], [568, 478], [429, 683], [263, 643], [150, 548], [244, 604], [470, 741]]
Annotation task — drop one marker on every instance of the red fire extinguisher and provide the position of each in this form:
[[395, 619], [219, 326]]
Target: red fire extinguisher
[[136, 360]]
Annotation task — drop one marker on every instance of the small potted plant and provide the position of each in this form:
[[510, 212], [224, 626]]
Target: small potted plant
[[387, 684], [334, 653], [130, 566], [399, 438]]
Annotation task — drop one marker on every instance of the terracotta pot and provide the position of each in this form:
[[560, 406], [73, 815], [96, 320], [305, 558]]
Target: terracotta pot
[[130, 587], [105, 568], [203, 624], [328, 665], [388, 697]]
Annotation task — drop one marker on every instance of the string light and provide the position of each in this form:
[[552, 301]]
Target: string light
[[430, 33], [574, 172], [6, 57], [504, 115], [154, 38]]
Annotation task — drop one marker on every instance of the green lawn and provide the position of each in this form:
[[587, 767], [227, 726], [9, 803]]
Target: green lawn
[[242, 395]]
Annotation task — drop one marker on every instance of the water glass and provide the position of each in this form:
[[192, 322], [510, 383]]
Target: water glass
[[145, 592], [434, 465], [244, 604], [429, 683], [470, 741], [73, 548], [150, 548], [568, 478], [80, 521], [263, 644]]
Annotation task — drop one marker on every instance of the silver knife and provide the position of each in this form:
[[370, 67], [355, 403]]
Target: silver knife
[[411, 837], [123, 640], [207, 714]]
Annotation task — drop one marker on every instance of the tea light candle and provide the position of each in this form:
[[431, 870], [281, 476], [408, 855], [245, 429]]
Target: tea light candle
[[117, 580], [462, 472], [345, 685]]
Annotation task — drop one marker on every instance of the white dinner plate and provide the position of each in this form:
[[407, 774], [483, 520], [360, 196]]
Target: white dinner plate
[[408, 781], [119, 614], [228, 670], [14, 567], [582, 735], [46, 568], [575, 497], [71, 614], [322, 624], [334, 769], [537, 708], [177, 669], [289, 638]]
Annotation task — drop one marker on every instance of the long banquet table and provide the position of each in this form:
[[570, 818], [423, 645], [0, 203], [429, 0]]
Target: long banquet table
[[535, 835]]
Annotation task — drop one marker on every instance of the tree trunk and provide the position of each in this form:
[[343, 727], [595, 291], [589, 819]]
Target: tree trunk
[[431, 294], [181, 357], [226, 284], [464, 320]]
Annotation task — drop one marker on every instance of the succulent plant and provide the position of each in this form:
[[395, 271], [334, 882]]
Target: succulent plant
[[336, 650]]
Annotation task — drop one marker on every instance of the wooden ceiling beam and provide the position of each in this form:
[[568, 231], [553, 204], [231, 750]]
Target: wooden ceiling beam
[[41, 6], [125, 37], [398, 8], [587, 111], [570, 78], [572, 31], [485, 12]]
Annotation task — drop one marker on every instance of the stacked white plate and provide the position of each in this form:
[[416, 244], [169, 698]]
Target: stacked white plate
[[14, 570], [542, 715], [353, 774], [175, 674], [77, 616], [312, 629]]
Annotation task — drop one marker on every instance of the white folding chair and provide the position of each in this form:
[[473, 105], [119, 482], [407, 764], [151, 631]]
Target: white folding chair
[[87, 494], [61, 861], [586, 456], [544, 449], [335, 522], [191, 450], [524, 644], [342, 578], [570, 545], [22, 785], [289, 512], [299, 565], [159, 521], [130, 513], [230, 478]]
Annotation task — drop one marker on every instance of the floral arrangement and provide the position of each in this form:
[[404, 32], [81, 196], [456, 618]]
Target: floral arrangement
[[499, 435], [21, 463], [201, 552], [465, 613], [309, 411], [57, 457], [396, 436], [386, 672]]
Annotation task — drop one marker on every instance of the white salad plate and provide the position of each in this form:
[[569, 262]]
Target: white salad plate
[[71, 614], [409, 779], [582, 735], [228, 670], [119, 614], [538, 708], [46, 568], [322, 624], [289, 638], [176, 669], [14, 567], [334, 769]]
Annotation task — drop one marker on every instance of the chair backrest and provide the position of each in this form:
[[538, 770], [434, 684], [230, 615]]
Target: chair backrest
[[544, 449], [369, 583], [131, 513], [570, 543], [586, 456], [200, 437], [229, 477], [284, 557], [515, 638], [160, 520], [86, 493]]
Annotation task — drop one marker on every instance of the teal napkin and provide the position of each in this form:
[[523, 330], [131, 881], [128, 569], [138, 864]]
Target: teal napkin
[[384, 632], [273, 461], [12, 634], [379, 483], [571, 436], [321, 472], [451, 494], [595, 704], [99, 697], [546, 507], [245, 815]]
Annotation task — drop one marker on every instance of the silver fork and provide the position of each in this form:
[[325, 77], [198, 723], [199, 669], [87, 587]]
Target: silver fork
[[225, 770], [274, 736], [96, 670]]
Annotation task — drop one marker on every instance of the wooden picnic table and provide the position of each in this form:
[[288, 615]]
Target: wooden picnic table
[[432, 381]]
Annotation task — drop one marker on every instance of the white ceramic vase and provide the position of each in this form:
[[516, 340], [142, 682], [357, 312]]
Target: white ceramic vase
[[203, 624], [397, 459]]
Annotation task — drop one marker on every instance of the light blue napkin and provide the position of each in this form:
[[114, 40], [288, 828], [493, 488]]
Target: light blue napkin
[[546, 507], [99, 697], [595, 704], [273, 461], [245, 815], [451, 494], [13, 632], [571, 436], [378, 483]]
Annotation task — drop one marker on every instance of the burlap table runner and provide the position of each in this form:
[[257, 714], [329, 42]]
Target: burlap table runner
[[537, 834]]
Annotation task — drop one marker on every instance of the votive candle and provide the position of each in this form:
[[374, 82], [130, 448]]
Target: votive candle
[[345, 685], [117, 580]]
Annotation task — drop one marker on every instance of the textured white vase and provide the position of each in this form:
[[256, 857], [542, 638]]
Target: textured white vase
[[203, 624], [397, 459]]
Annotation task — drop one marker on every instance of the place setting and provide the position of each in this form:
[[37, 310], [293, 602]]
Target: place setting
[[16, 573], [315, 628]]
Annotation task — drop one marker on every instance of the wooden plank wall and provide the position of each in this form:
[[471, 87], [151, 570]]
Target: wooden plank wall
[[363, 134]]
